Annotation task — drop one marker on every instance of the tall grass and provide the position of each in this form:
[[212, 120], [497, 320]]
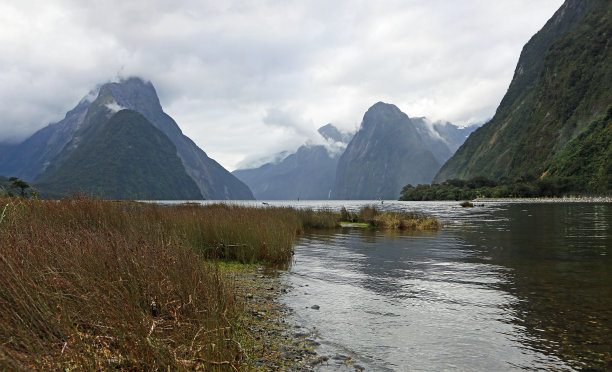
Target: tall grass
[[391, 220], [89, 284], [92, 285], [97, 285], [321, 219]]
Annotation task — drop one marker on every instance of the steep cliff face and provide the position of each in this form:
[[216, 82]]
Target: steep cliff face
[[214, 181], [388, 152], [124, 158], [43, 153], [31, 157], [561, 86]]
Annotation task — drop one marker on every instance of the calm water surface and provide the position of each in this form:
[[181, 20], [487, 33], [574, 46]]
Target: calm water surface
[[503, 286]]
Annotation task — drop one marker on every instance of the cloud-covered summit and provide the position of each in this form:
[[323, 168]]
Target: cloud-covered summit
[[222, 69]]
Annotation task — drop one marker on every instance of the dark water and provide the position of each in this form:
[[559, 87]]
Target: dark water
[[503, 286]]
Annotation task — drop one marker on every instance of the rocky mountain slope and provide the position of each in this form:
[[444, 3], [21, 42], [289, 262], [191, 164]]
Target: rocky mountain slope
[[556, 108], [43, 153], [28, 159], [389, 151], [124, 158]]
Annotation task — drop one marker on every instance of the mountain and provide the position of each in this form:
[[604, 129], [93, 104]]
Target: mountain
[[29, 158], [331, 133], [124, 158], [45, 151], [306, 174], [389, 151], [453, 135], [554, 120], [586, 161]]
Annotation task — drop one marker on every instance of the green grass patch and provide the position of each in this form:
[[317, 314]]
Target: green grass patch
[[355, 224]]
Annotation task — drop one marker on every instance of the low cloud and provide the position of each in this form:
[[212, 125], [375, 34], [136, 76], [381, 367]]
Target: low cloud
[[264, 72], [290, 120], [114, 107]]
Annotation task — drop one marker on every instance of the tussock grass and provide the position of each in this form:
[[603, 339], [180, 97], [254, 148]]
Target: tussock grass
[[98, 285], [405, 221], [391, 220], [321, 219]]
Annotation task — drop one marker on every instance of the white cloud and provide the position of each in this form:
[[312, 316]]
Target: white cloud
[[114, 107], [222, 69]]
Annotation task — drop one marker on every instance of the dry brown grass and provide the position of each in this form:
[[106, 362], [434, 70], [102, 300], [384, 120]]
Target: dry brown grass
[[405, 221], [391, 220], [89, 284]]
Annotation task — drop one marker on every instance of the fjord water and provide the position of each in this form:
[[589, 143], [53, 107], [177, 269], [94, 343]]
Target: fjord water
[[503, 286]]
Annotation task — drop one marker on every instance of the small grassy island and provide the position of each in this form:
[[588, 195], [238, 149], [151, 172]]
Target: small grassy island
[[369, 216], [91, 284]]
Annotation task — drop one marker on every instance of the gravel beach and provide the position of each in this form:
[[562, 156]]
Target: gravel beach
[[274, 344]]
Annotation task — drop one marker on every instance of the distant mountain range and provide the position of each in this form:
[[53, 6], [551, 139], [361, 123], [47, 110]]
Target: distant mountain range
[[63, 150], [553, 125], [389, 150], [555, 121], [306, 174]]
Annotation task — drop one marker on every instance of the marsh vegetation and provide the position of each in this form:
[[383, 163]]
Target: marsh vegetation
[[91, 284]]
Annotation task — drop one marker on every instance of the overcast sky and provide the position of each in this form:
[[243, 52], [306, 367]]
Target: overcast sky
[[247, 78]]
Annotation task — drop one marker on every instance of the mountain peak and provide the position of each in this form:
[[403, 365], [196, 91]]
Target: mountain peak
[[382, 106], [383, 112], [331, 133], [132, 93], [556, 100], [387, 153], [44, 152]]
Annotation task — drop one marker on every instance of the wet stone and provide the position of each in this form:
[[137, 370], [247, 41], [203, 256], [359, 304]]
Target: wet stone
[[341, 357]]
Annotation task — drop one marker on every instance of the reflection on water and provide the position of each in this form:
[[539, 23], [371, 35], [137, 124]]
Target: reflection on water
[[503, 286]]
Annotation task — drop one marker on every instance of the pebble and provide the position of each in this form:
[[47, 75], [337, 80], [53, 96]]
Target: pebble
[[294, 351], [341, 357]]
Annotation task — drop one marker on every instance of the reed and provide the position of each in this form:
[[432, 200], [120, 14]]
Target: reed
[[321, 219], [88, 285], [405, 221], [97, 285], [391, 220]]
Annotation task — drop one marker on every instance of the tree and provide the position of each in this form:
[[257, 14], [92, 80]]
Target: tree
[[17, 183]]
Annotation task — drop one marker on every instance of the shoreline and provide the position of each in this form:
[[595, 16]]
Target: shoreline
[[580, 199], [272, 342], [279, 343]]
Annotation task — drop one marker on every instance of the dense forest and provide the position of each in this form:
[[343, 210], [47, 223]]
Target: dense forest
[[482, 187]]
